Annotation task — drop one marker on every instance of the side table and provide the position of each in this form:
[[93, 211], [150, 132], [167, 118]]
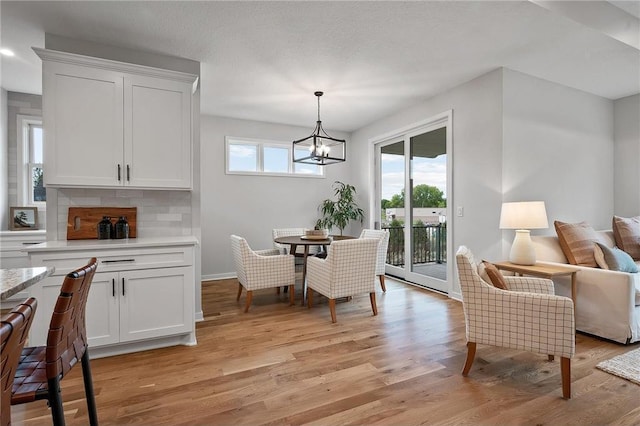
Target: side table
[[544, 271]]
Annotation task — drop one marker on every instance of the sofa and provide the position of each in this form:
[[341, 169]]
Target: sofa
[[607, 302]]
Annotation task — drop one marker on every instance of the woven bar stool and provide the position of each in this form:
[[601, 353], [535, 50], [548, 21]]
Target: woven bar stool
[[14, 331], [41, 368]]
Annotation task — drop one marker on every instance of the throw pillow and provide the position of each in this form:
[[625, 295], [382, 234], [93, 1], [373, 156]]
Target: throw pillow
[[497, 279], [614, 259], [483, 273], [576, 241], [626, 232]]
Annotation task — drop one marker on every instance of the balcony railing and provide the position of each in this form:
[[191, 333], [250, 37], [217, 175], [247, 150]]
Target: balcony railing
[[429, 244]]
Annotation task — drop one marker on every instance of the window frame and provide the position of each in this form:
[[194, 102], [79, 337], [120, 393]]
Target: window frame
[[24, 166], [260, 144]]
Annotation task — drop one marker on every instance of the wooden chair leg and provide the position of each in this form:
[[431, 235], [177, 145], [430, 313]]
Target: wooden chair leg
[[374, 308], [551, 357], [55, 402], [88, 389], [239, 291], [248, 303], [565, 370], [277, 290], [309, 298], [332, 308], [384, 289], [471, 354], [291, 295]]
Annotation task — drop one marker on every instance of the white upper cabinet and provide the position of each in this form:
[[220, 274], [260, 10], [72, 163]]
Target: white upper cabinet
[[112, 124], [157, 132]]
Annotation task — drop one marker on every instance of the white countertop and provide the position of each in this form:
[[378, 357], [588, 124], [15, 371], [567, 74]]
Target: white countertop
[[131, 243]]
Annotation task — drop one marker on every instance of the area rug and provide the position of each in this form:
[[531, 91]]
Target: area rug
[[626, 366]]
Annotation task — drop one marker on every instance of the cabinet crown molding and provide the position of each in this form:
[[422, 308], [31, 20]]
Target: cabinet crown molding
[[108, 64]]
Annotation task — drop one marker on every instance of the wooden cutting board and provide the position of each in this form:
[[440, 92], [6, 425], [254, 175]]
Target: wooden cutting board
[[82, 222]]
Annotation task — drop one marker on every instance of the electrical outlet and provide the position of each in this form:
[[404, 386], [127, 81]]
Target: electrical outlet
[[460, 211]]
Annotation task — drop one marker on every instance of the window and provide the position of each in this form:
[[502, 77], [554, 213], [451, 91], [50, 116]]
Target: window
[[253, 156], [30, 173]]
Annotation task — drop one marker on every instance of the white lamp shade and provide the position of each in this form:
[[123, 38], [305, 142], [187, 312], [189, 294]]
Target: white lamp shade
[[524, 215]]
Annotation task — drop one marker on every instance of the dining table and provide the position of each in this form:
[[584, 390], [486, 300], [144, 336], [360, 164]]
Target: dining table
[[302, 240], [13, 280]]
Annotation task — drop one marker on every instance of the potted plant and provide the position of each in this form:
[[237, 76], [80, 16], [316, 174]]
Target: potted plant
[[341, 211]]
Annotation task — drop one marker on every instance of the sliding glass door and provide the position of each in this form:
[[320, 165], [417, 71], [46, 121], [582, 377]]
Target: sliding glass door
[[412, 191]]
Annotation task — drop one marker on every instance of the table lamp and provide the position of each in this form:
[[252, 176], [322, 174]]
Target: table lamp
[[523, 216]]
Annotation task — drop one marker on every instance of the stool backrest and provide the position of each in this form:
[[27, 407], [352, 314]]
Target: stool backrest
[[67, 338]]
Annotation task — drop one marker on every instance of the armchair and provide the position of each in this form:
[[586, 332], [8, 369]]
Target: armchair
[[291, 232], [383, 245], [349, 268], [261, 269], [527, 316]]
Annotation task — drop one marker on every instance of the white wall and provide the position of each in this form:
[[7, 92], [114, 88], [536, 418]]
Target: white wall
[[251, 206], [558, 148], [477, 159], [4, 163], [627, 156]]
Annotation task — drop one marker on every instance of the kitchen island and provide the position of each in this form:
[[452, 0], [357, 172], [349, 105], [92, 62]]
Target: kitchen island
[[142, 295]]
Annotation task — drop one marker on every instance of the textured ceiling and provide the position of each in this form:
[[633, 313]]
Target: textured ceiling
[[263, 60]]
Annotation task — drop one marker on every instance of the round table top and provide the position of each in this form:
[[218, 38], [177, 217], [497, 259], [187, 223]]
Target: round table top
[[302, 240]]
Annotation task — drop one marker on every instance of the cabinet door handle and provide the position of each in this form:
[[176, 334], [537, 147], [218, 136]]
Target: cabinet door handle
[[119, 261], [113, 287], [128, 173], [123, 286], [119, 179]]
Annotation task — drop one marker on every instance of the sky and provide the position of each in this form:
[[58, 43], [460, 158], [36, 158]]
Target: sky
[[429, 171]]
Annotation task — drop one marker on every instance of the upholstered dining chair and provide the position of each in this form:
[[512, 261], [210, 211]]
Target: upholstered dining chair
[[348, 269], [291, 232], [261, 269], [13, 335], [383, 237], [41, 368], [526, 316]]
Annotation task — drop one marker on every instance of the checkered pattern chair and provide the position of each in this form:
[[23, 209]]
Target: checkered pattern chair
[[383, 237], [292, 232], [350, 268], [527, 316], [261, 269]]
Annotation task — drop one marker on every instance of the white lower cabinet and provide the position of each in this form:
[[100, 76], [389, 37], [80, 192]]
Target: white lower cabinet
[[126, 307], [102, 314]]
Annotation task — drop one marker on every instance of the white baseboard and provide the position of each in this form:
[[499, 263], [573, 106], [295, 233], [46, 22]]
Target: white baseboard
[[456, 295], [215, 277]]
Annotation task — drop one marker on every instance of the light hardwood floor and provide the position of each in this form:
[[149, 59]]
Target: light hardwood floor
[[282, 364]]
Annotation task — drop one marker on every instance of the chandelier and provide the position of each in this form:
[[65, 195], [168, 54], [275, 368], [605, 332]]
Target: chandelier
[[319, 148]]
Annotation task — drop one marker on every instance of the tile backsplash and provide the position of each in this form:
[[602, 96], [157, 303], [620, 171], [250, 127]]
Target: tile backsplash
[[160, 213]]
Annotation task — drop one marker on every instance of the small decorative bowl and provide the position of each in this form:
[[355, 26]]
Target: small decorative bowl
[[316, 234]]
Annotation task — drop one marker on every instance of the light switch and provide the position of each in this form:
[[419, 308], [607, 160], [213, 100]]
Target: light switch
[[460, 211]]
